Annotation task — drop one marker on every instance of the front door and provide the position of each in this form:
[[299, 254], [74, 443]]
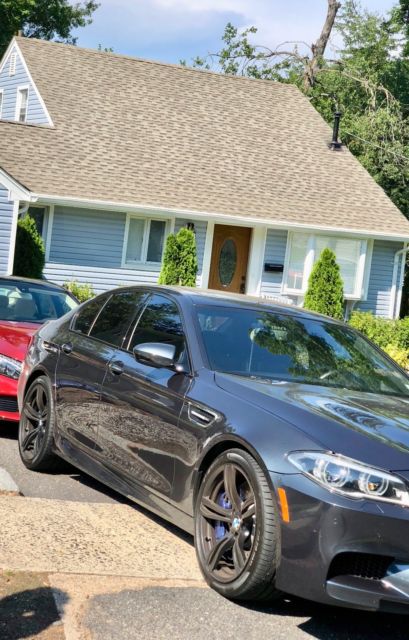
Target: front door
[[230, 256]]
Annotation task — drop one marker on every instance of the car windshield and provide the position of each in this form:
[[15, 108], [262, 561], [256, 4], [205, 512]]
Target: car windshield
[[29, 302], [279, 347]]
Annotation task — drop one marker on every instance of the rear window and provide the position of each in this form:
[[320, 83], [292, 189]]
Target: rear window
[[34, 303], [86, 316]]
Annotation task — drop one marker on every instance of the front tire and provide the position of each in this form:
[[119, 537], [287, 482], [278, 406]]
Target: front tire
[[36, 428], [237, 535]]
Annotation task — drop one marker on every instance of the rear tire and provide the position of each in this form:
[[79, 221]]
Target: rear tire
[[36, 428], [237, 533]]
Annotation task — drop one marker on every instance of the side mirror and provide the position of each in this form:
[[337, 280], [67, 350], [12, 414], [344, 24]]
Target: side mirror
[[156, 354]]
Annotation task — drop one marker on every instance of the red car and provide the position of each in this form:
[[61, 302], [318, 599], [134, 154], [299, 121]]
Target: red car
[[24, 306]]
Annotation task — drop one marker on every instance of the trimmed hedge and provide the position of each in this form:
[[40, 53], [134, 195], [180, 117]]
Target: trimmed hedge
[[29, 256], [179, 265], [390, 335], [325, 292]]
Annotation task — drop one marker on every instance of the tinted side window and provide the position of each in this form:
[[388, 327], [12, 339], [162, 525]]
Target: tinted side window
[[160, 322], [114, 320], [87, 315]]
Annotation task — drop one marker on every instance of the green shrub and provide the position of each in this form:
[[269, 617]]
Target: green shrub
[[325, 292], [82, 292], [29, 255], [179, 265], [390, 335]]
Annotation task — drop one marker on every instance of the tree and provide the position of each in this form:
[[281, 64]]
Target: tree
[[29, 256], [179, 265], [46, 19], [325, 292]]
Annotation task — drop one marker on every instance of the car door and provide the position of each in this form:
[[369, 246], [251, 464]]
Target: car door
[[85, 354], [141, 404]]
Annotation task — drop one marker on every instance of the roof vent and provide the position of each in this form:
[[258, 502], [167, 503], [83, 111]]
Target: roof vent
[[12, 64], [335, 144]]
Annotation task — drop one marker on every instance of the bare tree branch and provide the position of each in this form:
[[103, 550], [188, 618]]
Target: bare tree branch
[[318, 48]]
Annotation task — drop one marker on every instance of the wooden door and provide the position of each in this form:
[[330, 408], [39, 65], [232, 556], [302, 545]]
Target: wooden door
[[230, 256]]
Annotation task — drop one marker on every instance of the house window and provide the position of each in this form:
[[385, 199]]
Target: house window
[[305, 249], [144, 240], [39, 216], [22, 104], [12, 64]]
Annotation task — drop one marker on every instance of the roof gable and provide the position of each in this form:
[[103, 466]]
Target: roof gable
[[134, 131], [14, 75]]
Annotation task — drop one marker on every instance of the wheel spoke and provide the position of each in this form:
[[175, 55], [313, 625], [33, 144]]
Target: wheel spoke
[[29, 439], [40, 396], [219, 549], [239, 556], [230, 485], [248, 508], [213, 511], [31, 413]]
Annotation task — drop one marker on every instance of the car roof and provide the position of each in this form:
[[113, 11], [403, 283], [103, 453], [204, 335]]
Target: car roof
[[224, 298], [44, 283]]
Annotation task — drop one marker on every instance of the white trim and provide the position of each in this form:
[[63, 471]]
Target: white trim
[[145, 241], [6, 55], [401, 278], [207, 254], [50, 223], [16, 190], [20, 89], [241, 221], [13, 234], [367, 272], [256, 261], [1, 102], [309, 263]]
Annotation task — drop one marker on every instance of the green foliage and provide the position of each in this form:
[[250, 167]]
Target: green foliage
[[82, 291], [46, 19], [390, 335], [325, 292], [29, 256], [179, 265]]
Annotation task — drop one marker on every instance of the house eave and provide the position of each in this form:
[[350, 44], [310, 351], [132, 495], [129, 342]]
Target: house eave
[[221, 218], [17, 190]]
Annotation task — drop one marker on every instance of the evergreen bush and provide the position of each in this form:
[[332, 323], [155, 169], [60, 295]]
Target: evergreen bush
[[29, 255], [179, 265], [325, 292]]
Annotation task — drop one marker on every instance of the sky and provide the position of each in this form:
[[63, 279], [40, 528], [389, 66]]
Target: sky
[[174, 30]]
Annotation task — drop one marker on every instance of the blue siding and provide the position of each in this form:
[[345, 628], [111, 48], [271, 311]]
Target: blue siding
[[6, 217], [87, 237], [200, 232], [9, 84], [276, 243], [380, 278]]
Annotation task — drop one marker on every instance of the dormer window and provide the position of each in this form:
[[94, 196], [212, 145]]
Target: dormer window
[[21, 105], [13, 64]]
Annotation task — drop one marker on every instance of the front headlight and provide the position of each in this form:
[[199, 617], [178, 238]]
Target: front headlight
[[350, 478], [10, 367]]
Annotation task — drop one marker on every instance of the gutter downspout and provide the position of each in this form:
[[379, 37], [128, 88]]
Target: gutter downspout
[[396, 297]]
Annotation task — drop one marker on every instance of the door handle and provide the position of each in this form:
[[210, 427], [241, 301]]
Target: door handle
[[67, 347], [116, 367]]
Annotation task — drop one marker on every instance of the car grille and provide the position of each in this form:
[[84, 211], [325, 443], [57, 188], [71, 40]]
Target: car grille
[[9, 404], [362, 565]]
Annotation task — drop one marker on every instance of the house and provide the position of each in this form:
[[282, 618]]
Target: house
[[112, 153]]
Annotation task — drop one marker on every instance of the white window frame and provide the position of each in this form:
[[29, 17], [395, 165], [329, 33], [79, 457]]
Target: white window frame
[[20, 89], [144, 249], [1, 102], [13, 64], [361, 276]]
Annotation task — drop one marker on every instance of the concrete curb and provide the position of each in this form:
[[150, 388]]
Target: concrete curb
[[7, 484]]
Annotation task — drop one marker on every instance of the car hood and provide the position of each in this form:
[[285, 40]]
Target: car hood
[[365, 426], [14, 338]]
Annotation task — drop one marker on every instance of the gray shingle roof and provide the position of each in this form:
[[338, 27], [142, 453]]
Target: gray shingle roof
[[140, 132]]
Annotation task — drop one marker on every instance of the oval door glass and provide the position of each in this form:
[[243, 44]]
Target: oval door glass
[[227, 262]]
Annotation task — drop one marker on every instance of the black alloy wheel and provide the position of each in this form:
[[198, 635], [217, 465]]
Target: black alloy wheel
[[36, 428], [236, 528]]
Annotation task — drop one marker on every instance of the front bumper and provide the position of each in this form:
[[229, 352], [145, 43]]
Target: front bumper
[[341, 551], [8, 399]]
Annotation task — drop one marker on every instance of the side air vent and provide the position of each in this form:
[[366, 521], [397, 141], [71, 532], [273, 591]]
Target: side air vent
[[201, 416], [361, 565]]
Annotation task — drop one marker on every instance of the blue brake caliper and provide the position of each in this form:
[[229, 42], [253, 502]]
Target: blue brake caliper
[[221, 527]]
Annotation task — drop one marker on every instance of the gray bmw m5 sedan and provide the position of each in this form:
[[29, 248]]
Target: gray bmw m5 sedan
[[279, 437]]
